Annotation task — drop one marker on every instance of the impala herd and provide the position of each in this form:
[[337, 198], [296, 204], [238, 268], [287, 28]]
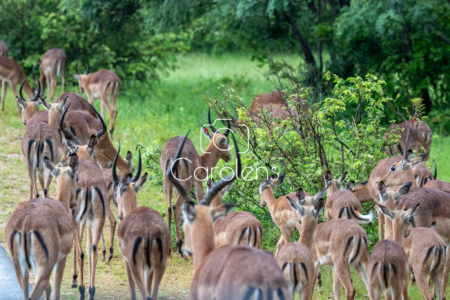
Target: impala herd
[[69, 141]]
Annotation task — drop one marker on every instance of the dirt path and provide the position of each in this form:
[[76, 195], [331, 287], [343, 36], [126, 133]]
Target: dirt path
[[111, 280]]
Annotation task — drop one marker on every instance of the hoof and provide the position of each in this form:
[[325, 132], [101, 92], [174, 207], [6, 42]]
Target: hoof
[[74, 285], [82, 291], [179, 244], [91, 293]]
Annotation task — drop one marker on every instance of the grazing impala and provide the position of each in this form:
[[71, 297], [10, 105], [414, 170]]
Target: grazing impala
[[103, 84], [40, 234], [11, 73], [229, 272], [238, 227], [388, 271], [421, 140], [424, 247], [193, 170], [53, 64], [280, 210], [296, 260], [144, 237]]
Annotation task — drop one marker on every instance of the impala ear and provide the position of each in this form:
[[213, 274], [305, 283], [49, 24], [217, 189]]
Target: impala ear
[[300, 195], [137, 185], [71, 146], [386, 211], [73, 162], [93, 142], [407, 158], [62, 105], [189, 212], [327, 177], [209, 184], [349, 186], [51, 167], [227, 188], [296, 207], [419, 159], [220, 211], [207, 133], [318, 207], [278, 181], [341, 179], [428, 138], [22, 103], [382, 195], [403, 190]]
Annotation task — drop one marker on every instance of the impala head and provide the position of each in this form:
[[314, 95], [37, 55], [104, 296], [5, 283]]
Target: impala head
[[82, 78], [333, 184], [66, 179], [267, 186], [199, 219], [54, 108], [28, 108], [389, 198], [218, 142], [401, 171], [400, 220], [304, 200], [86, 152], [127, 187], [309, 212]]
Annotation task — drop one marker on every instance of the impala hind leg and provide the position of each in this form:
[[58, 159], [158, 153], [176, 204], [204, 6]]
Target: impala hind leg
[[380, 225], [167, 188], [40, 285], [54, 83], [343, 272], [131, 284], [96, 229], [336, 284], [4, 85], [105, 103], [285, 238], [62, 73], [112, 229], [158, 274], [57, 277], [14, 90], [177, 217], [446, 268]]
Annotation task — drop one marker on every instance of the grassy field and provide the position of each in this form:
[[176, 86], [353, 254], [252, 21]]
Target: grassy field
[[169, 108]]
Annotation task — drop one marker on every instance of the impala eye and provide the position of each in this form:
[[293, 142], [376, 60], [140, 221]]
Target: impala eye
[[392, 169]]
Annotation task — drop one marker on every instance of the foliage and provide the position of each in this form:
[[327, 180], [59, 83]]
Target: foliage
[[150, 161]]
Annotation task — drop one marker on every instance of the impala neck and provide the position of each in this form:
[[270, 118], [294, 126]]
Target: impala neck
[[398, 236], [203, 244], [64, 196], [363, 193], [53, 121], [128, 202], [210, 158], [307, 234], [269, 198]]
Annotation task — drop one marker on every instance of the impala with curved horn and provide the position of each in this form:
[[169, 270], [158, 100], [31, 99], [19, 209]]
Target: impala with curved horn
[[29, 108], [53, 64], [229, 272], [103, 84], [79, 127], [194, 169], [11, 73], [144, 238]]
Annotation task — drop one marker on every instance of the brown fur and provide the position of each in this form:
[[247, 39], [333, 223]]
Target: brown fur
[[92, 208], [422, 174], [280, 210], [388, 271], [11, 72], [40, 141], [53, 63], [3, 49], [207, 160], [77, 103], [424, 247], [103, 84], [440, 185], [343, 204], [272, 102], [40, 235], [331, 242], [422, 139]]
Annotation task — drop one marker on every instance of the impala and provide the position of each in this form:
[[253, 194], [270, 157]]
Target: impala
[[229, 272], [424, 247], [40, 235], [192, 162], [82, 127], [238, 227], [11, 73], [280, 210], [402, 166], [422, 138], [333, 185], [3, 49], [144, 237], [440, 185], [388, 271], [40, 141], [53, 64], [29, 108], [297, 259], [423, 174], [103, 84]]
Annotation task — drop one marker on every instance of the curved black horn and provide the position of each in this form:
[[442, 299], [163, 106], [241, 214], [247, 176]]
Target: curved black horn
[[224, 182], [87, 68], [36, 96], [76, 67], [138, 171], [67, 134], [169, 173], [21, 86], [114, 171], [213, 129], [227, 131], [104, 128]]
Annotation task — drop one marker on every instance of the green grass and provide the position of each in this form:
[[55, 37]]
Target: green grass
[[169, 108]]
